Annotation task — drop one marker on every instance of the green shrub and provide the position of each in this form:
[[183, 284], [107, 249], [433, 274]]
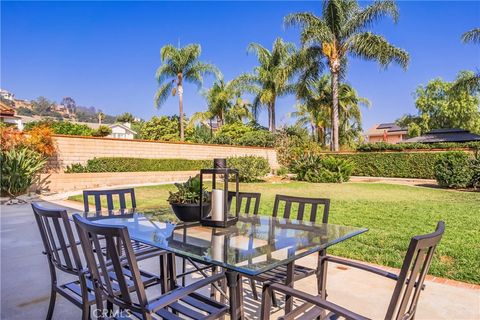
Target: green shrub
[[393, 164], [383, 146], [282, 171], [244, 135], [138, 164], [319, 168], [259, 138], [102, 131], [453, 170], [62, 127], [475, 165], [20, 167], [250, 168]]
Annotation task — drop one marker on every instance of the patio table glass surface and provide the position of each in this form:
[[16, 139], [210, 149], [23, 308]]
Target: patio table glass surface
[[253, 245]]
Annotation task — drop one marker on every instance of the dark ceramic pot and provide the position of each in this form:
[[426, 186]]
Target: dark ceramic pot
[[189, 212]]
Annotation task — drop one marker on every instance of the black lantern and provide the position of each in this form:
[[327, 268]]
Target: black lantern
[[220, 215]]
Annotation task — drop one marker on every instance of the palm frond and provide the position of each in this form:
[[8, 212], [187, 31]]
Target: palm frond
[[262, 53], [366, 17], [168, 52], [471, 36], [374, 47], [163, 93]]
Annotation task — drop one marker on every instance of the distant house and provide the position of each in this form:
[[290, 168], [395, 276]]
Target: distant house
[[446, 135], [386, 132], [119, 130], [122, 131], [7, 115]]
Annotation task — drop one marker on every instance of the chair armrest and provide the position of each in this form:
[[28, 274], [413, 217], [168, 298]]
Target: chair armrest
[[181, 292], [315, 300], [361, 266]]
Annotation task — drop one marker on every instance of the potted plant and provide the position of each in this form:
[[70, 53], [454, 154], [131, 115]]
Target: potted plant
[[185, 201]]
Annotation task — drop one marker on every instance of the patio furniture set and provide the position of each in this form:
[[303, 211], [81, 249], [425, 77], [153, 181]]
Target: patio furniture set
[[103, 255]]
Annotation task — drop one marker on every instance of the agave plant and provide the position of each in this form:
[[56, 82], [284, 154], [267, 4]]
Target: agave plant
[[20, 167], [188, 192]]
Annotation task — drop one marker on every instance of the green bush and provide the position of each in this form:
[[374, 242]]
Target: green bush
[[383, 146], [250, 168], [62, 127], [244, 135], [259, 138], [20, 167], [138, 164], [453, 169], [393, 164], [319, 168], [102, 131], [475, 165]]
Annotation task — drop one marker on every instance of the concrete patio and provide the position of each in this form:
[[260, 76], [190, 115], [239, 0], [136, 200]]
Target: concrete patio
[[25, 282]]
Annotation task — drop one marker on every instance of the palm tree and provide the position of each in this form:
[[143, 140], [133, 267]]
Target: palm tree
[[179, 65], [316, 105], [341, 31], [271, 78], [224, 103], [469, 81]]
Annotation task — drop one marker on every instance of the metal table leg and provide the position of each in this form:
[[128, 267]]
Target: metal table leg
[[235, 294], [289, 282]]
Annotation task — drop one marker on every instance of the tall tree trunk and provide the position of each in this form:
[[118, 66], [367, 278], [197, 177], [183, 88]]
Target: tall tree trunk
[[180, 103], [272, 113], [269, 117], [335, 146], [180, 110]]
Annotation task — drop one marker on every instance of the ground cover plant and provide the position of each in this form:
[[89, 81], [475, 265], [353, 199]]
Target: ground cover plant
[[393, 213]]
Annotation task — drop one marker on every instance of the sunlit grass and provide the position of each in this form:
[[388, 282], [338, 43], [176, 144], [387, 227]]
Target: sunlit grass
[[393, 214]]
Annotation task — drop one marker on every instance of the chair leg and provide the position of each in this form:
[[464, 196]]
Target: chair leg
[[86, 312], [51, 306], [274, 299], [254, 289]]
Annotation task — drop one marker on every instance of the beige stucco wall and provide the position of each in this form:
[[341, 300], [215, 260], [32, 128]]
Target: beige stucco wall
[[74, 149]]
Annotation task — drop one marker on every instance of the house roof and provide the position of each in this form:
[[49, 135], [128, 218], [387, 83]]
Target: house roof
[[390, 128], [95, 126], [446, 135], [6, 110]]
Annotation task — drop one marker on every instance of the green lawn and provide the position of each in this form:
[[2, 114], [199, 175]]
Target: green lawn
[[393, 213]]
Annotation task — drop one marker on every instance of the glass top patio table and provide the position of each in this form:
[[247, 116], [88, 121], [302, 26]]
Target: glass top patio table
[[253, 245]]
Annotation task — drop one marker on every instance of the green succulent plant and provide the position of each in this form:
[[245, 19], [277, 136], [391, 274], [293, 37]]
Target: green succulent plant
[[189, 192]]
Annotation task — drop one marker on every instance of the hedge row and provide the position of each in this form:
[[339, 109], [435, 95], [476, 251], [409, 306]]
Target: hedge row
[[251, 168], [138, 164], [419, 165], [382, 146]]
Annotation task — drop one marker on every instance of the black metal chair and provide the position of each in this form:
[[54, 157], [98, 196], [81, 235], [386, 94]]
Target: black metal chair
[[176, 303], [403, 304], [63, 254], [249, 197], [279, 274], [142, 250], [109, 195]]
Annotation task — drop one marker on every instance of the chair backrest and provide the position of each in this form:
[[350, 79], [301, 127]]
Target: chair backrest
[[248, 197], [412, 275], [114, 270], [97, 194], [313, 203], [58, 239]]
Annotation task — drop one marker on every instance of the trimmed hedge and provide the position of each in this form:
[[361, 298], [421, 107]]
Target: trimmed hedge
[[419, 165], [138, 164], [251, 168], [382, 146]]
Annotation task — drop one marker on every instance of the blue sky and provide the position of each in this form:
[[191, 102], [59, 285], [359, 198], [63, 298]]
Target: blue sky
[[105, 54]]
